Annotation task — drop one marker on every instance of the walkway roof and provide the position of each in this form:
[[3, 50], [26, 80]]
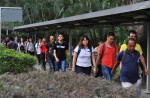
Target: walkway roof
[[138, 12]]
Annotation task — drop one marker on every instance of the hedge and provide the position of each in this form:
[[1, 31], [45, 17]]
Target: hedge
[[15, 62]]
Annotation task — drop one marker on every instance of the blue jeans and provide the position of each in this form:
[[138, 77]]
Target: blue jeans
[[62, 64], [51, 63], [85, 70], [106, 72]]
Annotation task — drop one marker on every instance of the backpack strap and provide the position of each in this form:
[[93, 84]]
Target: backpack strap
[[79, 50], [103, 49]]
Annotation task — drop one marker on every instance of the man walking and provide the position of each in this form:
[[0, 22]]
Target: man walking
[[49, 53], [108, 55], [133, 34], [60, 51], [129, 70]]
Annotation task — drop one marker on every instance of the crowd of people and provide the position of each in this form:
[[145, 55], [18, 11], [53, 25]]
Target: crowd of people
[[84, 60]]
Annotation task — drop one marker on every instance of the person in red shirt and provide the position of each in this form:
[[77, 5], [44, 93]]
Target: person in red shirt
[[43, 53], [109, 56]]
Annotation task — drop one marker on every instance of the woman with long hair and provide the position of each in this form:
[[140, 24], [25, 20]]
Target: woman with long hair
[[22, 46], [83, 57]]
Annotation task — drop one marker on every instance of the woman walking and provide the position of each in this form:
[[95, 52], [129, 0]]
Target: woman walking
[[83, 57]]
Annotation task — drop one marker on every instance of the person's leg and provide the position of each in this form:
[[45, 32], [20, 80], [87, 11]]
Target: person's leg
[[53, 64], [78, 69], [50, 63], [38, 56], [29, 52], [106, 73], [32, 53], [138, 86], [99, 73], [63, 65], [43, 61], [56, 66], [87, 70]]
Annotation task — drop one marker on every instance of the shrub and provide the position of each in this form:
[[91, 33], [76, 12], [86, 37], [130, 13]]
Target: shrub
[[12, 61]]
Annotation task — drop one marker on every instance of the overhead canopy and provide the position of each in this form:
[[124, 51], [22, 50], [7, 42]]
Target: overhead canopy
[[115, 16]]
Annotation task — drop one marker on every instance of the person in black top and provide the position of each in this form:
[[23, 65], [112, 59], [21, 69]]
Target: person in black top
[[49, 53], [60, 50], [11, 44]]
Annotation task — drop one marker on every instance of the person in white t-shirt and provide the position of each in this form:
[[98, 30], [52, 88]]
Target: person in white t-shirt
[[83, 57], [38, 50]]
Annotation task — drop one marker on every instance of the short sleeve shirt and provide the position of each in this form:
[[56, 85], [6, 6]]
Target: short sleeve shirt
[[43, 48], [109, 55], [50, 48], [137, 47], [61, 50], [84, 57], [129, 70]]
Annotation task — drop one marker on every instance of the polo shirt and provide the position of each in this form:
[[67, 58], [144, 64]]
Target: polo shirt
[[109, 55], [129, 70], [84, 57], [137, 47]]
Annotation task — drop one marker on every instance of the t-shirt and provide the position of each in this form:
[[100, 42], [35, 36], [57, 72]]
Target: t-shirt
[[129, 70], [43, 48], [50, 48], [61, 50], [30, 47], [84, 57], [137, 47], [37, 46], [109, 55]]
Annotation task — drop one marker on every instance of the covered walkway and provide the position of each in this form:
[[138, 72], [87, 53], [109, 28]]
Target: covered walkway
[[135, 14]]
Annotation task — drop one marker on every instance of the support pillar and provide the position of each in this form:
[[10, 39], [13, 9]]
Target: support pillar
[[70, 48], [147, 28]]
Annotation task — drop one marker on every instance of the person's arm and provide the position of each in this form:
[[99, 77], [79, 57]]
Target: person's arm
[[119, 58], [144, 64], [36, 47], [18, 48], [94, 63], [57, 60], [74, 61], [115, 67], [99, 53]]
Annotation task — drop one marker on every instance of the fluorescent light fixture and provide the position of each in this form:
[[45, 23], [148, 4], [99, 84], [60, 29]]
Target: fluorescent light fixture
[[139, 17], [59, 26], [77, 24], [46, 27], [102, 21]]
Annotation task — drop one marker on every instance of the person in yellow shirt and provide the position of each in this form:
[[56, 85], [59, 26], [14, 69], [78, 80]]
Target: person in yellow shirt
[[133, 34]]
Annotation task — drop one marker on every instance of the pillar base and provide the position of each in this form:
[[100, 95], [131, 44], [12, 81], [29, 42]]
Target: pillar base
[[146, 92]]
